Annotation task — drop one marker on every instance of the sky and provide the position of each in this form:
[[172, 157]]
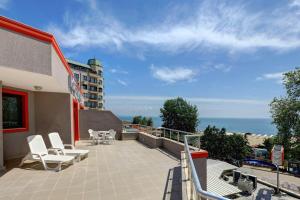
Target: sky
[[226, 57]]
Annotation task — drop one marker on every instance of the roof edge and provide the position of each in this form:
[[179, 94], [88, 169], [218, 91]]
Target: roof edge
[[24, 29]]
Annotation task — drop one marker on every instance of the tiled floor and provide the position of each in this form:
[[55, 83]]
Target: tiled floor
[[124, 170]]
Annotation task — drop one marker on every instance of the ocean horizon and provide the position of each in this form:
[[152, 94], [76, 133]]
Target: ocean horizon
[[243, 125]]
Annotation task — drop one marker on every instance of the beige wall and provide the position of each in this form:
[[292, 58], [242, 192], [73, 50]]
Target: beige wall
[[48, 112], [150, 140], [130, 136], [98, 120], [22, 52], [1, 132], [15, 144], [59, 71], [173, 147], [53, 112]]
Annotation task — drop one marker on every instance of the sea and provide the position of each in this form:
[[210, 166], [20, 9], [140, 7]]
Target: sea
[[240, 125]]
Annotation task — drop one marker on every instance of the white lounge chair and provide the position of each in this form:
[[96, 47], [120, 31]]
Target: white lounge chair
[[57, 144], [39, 152], [111, 136]]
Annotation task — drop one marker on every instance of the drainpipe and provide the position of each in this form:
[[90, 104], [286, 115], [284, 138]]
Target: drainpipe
[[200, 162]]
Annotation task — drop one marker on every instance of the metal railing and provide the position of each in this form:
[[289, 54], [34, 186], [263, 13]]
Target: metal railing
[[195, 191], [190, 140], [168, 133]]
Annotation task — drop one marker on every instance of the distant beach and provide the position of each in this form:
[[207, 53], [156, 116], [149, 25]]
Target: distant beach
[[258, 126]]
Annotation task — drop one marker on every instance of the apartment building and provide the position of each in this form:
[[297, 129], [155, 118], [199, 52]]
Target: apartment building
[[90, 79]]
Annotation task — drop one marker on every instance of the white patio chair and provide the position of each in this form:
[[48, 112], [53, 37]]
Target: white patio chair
[[39, 152], [93, 136], [111, 136], [57, 144]]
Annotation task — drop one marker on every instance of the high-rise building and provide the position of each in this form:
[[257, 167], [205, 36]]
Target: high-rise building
[[90, 79]]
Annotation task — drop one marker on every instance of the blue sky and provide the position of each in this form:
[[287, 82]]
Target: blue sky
[[227, 57]]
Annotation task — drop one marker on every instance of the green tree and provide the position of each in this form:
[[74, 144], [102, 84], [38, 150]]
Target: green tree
[[286, 115], [144, 121], [213, 140], [222, 146], [180, 115], [268, 144], [150, 121], [136, 119]]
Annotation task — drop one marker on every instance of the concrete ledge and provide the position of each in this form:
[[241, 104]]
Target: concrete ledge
[[129, 136], [173, 147], [149, 140]]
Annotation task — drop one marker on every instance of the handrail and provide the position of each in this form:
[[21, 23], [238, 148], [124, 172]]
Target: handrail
[[194, 176]]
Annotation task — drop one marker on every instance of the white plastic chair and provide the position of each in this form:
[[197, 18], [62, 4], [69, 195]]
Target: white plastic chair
[[111, 136], [39, 152], [57, 143], [93, 136]]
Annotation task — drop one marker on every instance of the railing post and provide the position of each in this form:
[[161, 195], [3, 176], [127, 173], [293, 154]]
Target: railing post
[[164, 133], [177, 136], [200, 162]]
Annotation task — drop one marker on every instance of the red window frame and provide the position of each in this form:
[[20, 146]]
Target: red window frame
[[25, 114]]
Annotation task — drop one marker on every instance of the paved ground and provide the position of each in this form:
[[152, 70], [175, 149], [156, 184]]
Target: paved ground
[[286, 181], [124, 170]]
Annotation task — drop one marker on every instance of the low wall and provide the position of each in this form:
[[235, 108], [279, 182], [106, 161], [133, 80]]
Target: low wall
[[129, 136], [98, 120], [173, 147], [150, 140], [169, 145]]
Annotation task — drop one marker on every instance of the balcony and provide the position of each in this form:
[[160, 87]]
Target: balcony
[[125, 170]]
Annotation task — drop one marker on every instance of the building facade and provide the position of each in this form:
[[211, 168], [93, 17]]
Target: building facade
[[38, 90], [90, 78]]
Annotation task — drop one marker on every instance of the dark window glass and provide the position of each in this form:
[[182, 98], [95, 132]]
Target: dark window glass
[[12, 111], [76, 76]]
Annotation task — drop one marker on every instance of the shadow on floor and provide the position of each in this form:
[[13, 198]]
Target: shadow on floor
[[173, 187], [28, 165]]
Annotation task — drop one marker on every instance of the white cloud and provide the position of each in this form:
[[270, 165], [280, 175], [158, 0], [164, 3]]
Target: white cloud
[[294, 3], [278, 77], [222, 67], [213, 25], [4, 4], [122, 82], [118, 71], [174, 74], [208, 67]]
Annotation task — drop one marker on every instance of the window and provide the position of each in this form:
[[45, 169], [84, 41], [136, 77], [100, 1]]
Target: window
[[84, 87], [93, 80], [84, 78], [99, 73], [93, 88], [76, 77], [15, 111]]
